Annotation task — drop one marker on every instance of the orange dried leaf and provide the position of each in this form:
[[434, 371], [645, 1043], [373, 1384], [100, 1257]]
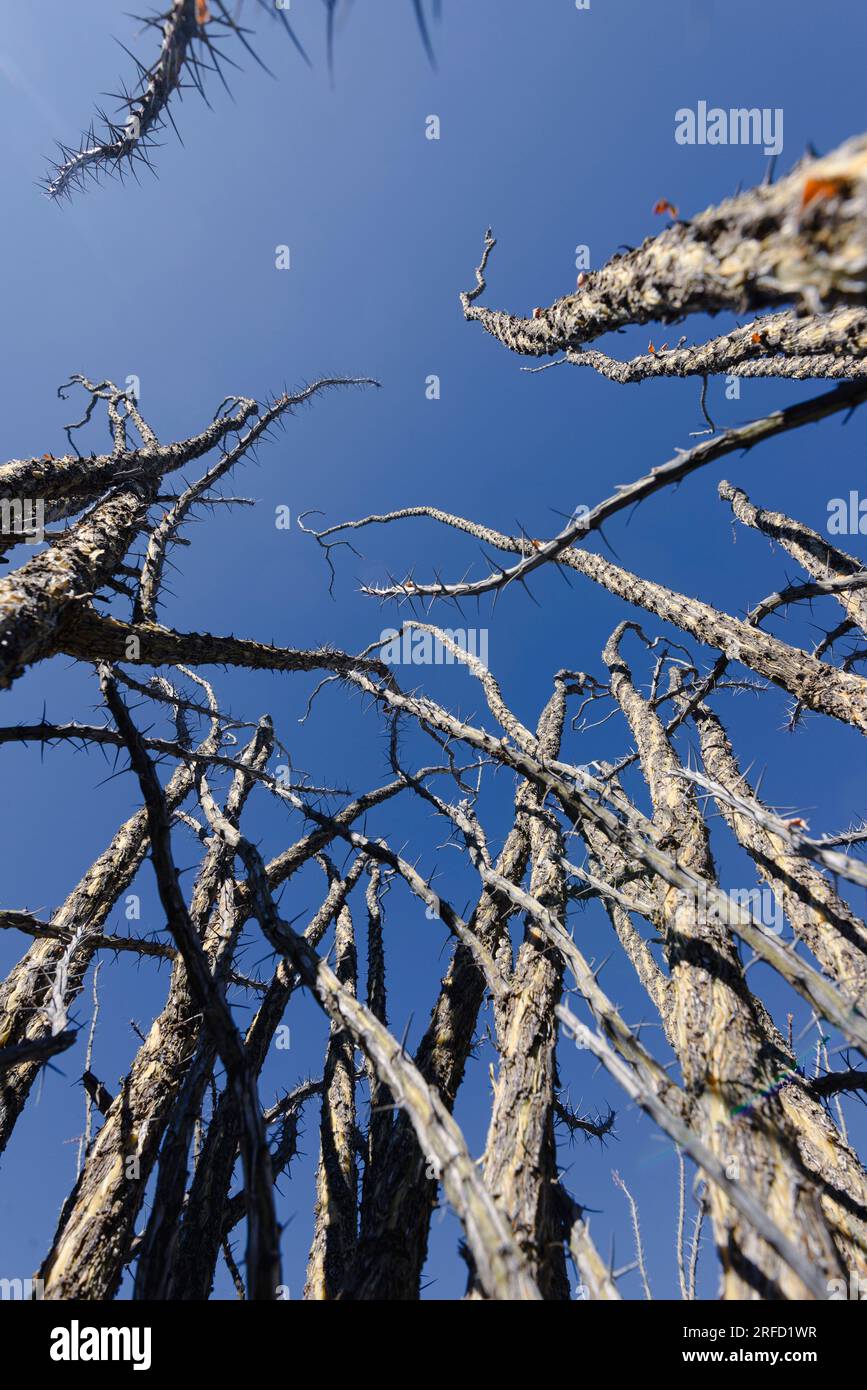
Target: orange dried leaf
[[663, 205], [650, 347], [756, 338], [49, 457], [821, 188], [203, 14], [537, 313]]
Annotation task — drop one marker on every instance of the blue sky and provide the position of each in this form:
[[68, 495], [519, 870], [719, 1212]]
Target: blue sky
[[557, 128]]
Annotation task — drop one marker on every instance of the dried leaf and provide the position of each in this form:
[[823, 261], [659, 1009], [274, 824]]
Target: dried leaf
[[821, 188]]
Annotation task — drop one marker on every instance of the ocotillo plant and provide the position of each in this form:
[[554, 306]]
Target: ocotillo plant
[[188, 1139]]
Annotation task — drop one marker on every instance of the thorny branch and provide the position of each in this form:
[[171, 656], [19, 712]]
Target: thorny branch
[[191, 53]]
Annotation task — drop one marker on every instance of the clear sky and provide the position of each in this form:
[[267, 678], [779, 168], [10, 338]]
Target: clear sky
[[557, 128]]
